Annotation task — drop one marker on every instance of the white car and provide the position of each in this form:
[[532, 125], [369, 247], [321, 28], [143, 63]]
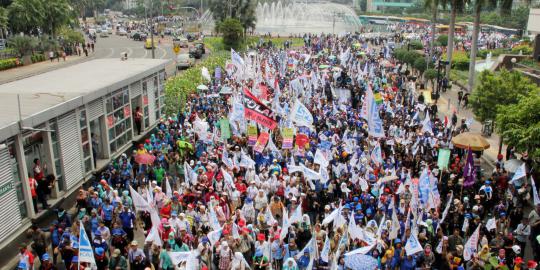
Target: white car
[[121, 32], [184, 60]]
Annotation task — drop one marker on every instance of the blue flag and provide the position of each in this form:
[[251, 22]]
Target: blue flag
[[86, 253]]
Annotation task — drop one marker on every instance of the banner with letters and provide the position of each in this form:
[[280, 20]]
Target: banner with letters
[[255, 110]]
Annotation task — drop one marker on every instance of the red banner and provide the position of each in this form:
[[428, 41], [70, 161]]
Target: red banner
[[255, 110]]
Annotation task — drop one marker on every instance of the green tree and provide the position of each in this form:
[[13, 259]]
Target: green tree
[[495, 89], [232, 30], [519, 124], [433, 7], [430, 75], [26, 15], [57, 14], [243, 10], [24, 45], [4, 21], [455, 7], [442, 40], [420, 65]]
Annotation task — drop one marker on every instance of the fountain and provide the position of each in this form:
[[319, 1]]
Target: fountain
[[300, 17], [484, 65]]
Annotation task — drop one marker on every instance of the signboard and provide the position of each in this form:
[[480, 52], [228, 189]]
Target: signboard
[[261, 142], [288, 134], [176, 49], [301, 140], [225, 128], [6, 188], [443, 158], [252, 135]]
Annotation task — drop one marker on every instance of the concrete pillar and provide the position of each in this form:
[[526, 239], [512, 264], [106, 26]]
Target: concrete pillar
[[23, 171]]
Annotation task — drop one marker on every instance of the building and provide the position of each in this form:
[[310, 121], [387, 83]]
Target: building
[[381, 5], [54, 116], [533, 25], [130, 4]]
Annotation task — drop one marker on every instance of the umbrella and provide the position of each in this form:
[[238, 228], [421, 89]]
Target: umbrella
[[324, 66], [474, 140], [361, 262], [225, 90], [332, 57], [512, 165], [202, 87], [145, 158]]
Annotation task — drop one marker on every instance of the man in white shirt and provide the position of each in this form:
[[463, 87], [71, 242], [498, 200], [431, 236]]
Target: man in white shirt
[[522, 232]]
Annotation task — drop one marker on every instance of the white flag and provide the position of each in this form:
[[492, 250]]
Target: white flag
[[394, 231], [331, 216], [520, 173], [168, 189], [138, 201], [153, 236], [270, 220], [214, 236], [535, 192], [471, 247], [285, 226], [413, 246], [178, 257], [326, 250], [296, 215], [86, 253], [301, 115], [206, 74], [320, 158]]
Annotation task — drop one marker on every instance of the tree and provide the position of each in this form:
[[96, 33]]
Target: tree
[[243, 10], [442, 40], [433, 6], [26, 15], [478, 5], [232, 32], [455, 7], [430, 75], [494, 89], [4, 21], [24, 45], [57, 14], [519, 124], [420, 65]]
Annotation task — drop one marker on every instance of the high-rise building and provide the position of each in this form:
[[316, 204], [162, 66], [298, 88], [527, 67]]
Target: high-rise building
[[380, 5]]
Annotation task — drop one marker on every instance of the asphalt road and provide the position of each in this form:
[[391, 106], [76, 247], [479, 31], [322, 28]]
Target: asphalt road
[[113, 46]]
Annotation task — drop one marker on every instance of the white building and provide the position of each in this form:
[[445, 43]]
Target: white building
[[59, 111], [129, 4], [533, 25]]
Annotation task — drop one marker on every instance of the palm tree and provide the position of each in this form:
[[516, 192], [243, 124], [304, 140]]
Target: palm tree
[[455, 7], [478, 5], [433, 6]]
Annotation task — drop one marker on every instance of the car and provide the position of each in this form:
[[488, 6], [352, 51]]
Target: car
[[104, 34], [121, 32], [184, 60], [191, 37], [200, 46], [181, 41], [195, 52], [109, 30], [148, 43]]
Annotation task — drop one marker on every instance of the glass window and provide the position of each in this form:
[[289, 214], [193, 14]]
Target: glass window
[[84, 135], [113, 146], [17, 180], [109, 106], [88, 164], [82, 119]]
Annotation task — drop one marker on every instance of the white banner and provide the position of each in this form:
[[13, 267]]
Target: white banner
[[471, 247], [138, 201], [301, 115]]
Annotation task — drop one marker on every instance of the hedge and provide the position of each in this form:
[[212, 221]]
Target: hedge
[[460, 60], [8, 63], [38, 58], [525, 49]]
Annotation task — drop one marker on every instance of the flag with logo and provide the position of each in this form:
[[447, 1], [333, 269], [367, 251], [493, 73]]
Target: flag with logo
[[443, 158], [471, 247], [375, 124], [301, 115], [255, 110], [86, 253], [225, 128], [138, 201], [520, 173]]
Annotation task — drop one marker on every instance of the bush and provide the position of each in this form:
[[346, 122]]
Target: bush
[[495, 52], [460, 60], [38, 58], [525, 49], [399, 54], [420, 64], [416, 45], [8, 63], [442, 40], [411, 56], [23, 44]]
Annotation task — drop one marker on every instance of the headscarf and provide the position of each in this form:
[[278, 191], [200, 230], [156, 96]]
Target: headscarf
[[238, 260], [287, 267]]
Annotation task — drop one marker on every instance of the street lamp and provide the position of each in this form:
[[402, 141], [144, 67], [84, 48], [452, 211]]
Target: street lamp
[[513, 60]]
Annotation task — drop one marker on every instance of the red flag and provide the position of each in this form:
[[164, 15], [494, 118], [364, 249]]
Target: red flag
[[255, 110]]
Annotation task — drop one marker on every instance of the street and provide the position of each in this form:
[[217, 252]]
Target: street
[[114, 45]]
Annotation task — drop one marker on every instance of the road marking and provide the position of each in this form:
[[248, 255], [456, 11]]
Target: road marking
[[164, 53], [145, 53], [130, 51]]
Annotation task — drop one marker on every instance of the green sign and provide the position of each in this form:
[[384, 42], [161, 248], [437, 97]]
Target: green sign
[[225, 128], [5, 188], [443, 159]]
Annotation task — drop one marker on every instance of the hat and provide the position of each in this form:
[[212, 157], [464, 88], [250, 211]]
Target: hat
[[531, 264], [99, 251], [516, 249], [261, 237], [174, 213], [97, 233], [116, 253], [134, 243], [45, 257], [518, 260], [397, 241]]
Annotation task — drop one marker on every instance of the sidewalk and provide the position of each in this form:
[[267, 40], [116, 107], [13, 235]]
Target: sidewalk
[[41, 67], [448, 103]]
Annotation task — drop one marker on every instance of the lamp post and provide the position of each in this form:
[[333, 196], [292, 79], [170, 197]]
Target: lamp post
[[513, 60]]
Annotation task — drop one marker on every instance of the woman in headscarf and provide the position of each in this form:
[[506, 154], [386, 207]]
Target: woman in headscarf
[[290, 264], [225, 256], [239, 262]]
